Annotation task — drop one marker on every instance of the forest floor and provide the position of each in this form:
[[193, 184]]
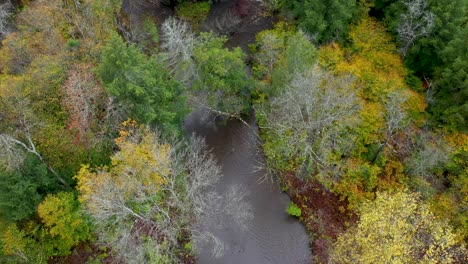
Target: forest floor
[[323, 213]]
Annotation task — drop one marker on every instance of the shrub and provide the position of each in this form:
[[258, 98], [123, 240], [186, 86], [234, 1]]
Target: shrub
[[294, 210], [195, 13]]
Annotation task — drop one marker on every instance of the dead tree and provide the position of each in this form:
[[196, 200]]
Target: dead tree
[[311, 114], [418, 21]]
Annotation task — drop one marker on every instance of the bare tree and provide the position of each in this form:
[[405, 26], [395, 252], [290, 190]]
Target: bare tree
[[16, 138], [157, 192], [418, 21], [82, 97], [178, 42], [429, 152], [6, 12], [395, 118], [269, 51], [311, 115]]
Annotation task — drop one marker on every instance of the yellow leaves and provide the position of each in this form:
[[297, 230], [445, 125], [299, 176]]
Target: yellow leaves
[[415, 105], [369, 34], [330, 56], [397, 228], [459, 141], [13, 241], [62, 218], [372, 121], [86, 183], [372, 58], [142, 163], [141, 155], [129, 128]]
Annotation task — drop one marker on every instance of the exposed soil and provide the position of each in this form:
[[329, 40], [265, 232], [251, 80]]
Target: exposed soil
[[82, 254], [323, 213]]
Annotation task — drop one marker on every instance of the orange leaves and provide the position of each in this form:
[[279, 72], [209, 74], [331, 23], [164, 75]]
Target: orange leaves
[[129, 128], [82, 96]]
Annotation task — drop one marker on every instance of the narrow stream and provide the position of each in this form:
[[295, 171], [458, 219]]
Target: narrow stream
[[273, 236]]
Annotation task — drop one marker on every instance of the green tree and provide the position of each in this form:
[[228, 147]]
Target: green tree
[[424, 56], [325, 20], [450, 102], [223, 79], [22, 189], [141, 85], [398, 228], [280, 53]]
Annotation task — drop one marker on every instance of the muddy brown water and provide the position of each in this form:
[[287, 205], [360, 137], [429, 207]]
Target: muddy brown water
[[272, 236]]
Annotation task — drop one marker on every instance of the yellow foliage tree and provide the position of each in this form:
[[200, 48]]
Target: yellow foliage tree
[[140, 168], [144, 203], [63, 219], [398, 228]]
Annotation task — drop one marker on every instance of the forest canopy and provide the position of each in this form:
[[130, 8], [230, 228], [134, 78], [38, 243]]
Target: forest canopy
[[360, 111]]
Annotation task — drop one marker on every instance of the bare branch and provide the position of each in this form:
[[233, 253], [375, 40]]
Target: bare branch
[[178, 42], [418, 21], [310, 116], [6, 12]]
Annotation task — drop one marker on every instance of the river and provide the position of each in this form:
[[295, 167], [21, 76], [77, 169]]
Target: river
[[273, 236]]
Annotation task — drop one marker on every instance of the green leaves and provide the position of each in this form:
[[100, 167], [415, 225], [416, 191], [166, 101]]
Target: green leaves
[[21, 191], [141, 85], [223, 77], [325, 20], [294, 210]]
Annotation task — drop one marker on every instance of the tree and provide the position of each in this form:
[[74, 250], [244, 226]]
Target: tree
[[222, 83], [153, 196], [395, 118], [416, 22], [281, 53], [16, 138], [23, 188], [309, 119], [450, 107], [430, 153], [6, 10], [17, 243], [398, 228], [424, 54], [325, 20], [178, 43], [142, 86], [64, 221]]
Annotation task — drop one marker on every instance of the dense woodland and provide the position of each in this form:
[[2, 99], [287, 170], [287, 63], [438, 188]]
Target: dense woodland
[[361, 104]]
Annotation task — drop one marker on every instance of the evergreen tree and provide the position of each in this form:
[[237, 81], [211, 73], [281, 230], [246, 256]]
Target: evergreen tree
[[141, 85], [325, 20], [22, 190]]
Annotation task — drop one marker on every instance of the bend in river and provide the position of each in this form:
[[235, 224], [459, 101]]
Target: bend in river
[[272, 236]]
